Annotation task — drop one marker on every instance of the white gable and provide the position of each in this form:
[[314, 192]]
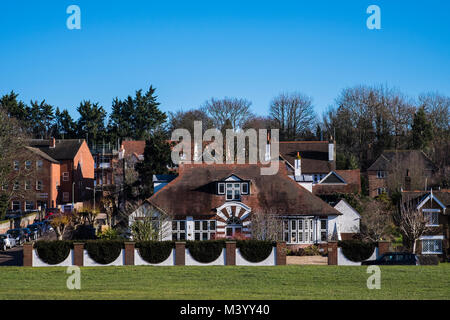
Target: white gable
[[349, 221], [233, 178]]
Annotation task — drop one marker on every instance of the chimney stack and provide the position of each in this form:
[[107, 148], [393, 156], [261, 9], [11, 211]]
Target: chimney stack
[[298, 167], [267, 155], [331, 150], [52, 142]]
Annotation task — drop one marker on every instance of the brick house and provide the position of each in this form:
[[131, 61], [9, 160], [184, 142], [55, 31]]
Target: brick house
[[34, 181], [434, 205], [412, 169], [76, 168]]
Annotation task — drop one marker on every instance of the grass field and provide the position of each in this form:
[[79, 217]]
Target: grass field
[[229, 283]]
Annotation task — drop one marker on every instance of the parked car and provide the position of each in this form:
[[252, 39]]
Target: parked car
[[28, 234], [18, 235], [35, 230], [7, 241], [394, 258], [49, 212]]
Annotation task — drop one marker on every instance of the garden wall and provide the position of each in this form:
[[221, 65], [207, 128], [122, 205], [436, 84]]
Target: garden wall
[[177, 254]]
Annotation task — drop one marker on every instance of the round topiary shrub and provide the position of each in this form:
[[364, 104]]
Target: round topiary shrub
[[357, 251], [104, 251], [205, 251], [155, 251], [53, 252], [255, 250]]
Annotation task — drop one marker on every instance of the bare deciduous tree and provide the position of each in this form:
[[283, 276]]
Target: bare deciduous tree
[[293, 114], [266, 226], [412, 223], [236, 110], [376, 220]]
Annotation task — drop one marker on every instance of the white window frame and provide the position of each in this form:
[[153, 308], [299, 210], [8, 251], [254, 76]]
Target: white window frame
[[27, 185], [39, 185], [65, 176], [66, 196], [201, 231], [233, 186], [433, 214], [39, 164], [382, 189], [381, 174], [178, 230], [218, 188], [26, 205], [437, 239], [322, 230], [28, 164], [304, 229], [16, 165], [247, 185], [15, 202]]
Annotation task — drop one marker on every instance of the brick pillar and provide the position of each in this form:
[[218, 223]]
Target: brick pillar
[[230, 253], [78, 254], [129, 253], [332, 253], [180, 253], [383, 247], [28, 254], [281, 253]]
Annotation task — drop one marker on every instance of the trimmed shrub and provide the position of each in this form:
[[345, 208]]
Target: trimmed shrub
[[308, 251], [428, 260], [255, 250], [205, 251], [53, 252], [104, 251], [357, 251], [155, 251]]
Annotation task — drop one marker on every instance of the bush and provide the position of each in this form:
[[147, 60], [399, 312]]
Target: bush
[[308, 251], [84, 232], [357, 251], [109, 234], [255, 250], [205, 251], [155, 251], [428, 260], [104, 251], [53, 252]]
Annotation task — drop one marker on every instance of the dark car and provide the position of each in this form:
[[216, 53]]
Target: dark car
[[35, 230], [49, 212], [394, 258], [28, 234], [17, 234]]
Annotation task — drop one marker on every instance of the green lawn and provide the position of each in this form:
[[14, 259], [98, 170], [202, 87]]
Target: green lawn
[[281, 282]]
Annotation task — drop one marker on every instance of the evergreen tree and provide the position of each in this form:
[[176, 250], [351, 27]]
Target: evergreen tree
[[40, 119], [91, 124], [14, 108], [136, 117], [65, 127], [157, 158], [422, 130]]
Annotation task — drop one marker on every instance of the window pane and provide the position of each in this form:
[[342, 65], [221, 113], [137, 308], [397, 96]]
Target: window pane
[[300, 224], [212, 225], [197, 236], [197, 225], [174, 236], [293, 224], [286, 236], [205, 225], [182, 236], [294, 238], [229, 232], [174, 225], [245, 188], [286, 225], [182, 225], [204, 236], [221, 188], [323, 224]]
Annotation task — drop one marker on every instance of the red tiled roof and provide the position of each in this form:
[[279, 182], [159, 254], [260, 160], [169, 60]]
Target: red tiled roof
[[193, 192], [314, 155], [352, 179], [134, 147]]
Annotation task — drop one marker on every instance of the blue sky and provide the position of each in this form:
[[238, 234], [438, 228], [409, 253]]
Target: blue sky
[[194, 50]]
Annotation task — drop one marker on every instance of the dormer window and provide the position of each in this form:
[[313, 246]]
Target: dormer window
[[221, 188], [233, 191], [232, 187], [244, 188]]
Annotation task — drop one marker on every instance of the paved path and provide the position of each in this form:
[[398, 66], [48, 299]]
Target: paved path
[[307, 260]]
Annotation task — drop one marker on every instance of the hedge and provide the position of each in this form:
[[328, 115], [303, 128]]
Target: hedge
[[205, 251], [357, 251], [255, 250], [53, 252], [104, 251], [155, 251]]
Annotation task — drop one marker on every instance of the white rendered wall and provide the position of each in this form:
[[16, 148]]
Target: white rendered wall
[[349, 222], [138, 261], [89, 262], [37, 262], [190, 261], [271, 260], [343, 261]]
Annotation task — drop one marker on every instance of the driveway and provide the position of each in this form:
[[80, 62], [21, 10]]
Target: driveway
[[12, 257]]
